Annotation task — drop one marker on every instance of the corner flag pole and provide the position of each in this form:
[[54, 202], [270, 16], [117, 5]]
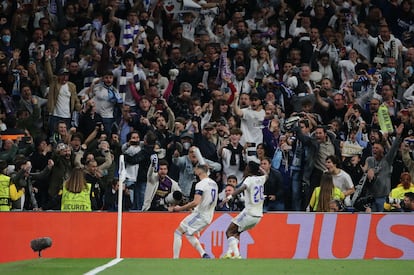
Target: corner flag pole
[[122, 177]]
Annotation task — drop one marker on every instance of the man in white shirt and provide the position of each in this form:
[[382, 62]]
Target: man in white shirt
[[204, 203], [251, 121], [341, 179]]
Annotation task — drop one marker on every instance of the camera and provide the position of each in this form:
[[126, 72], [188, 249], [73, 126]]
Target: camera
[[409, 141], [291, 122], [251, 153], [391, 200], [362, 203], [295, 70], [251, 144], [26, 139]]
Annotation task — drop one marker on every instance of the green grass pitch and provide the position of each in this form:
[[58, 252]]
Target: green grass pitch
[[215, 266]]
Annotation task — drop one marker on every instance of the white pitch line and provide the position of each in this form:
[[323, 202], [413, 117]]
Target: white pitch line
[[103, 267]]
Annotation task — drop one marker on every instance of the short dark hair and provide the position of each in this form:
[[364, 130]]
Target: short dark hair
[[335, 160], [232, 177], [410, 196], [129, 135], [163, 162], [150, 138], [77, 135]]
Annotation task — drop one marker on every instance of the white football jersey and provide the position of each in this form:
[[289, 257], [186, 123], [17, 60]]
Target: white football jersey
[[208, 190], [254, 195]]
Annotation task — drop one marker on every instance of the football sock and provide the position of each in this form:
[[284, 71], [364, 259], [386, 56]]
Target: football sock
[[177, 244], [196, 244], [233, 245]]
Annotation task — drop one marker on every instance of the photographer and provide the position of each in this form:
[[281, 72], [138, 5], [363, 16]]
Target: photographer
[[407, 147], [397, 194], [161, 191], [89, 119], [408, 204]]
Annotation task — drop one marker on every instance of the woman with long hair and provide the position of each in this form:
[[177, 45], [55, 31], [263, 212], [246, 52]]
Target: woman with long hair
[[76, 192], [324, 193], [221, 109]]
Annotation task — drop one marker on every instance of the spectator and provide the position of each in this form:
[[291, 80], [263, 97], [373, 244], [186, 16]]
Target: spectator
[[251, 118], [93, 178], [110, 199], [162, 191], [106, 99], [327, 146], [62, 97], [205, 140], [408, 202], [273, 188], [62, 169], [22, 177], [142, 158], [231, 154], [131, 148], [323, 194], [39, 159], [130, 79], [399, 192], [5, 188], [185, 165], [378, 168], [302, 164], [341, 179]]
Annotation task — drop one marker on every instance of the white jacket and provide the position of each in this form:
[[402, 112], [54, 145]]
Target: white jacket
[[152, 185]]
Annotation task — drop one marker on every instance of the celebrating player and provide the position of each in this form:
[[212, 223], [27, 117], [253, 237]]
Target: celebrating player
[[253, 185], [204, 203]]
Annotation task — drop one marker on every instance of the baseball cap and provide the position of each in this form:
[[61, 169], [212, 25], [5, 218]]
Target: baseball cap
[[63, 71], [209, 125], [187, 134]]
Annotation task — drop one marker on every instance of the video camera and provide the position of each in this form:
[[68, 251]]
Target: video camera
[[362, 203], [291, 122], [391, 200]]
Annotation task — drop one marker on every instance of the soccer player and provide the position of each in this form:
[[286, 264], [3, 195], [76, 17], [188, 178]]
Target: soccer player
[[253, 185], [204, 203]]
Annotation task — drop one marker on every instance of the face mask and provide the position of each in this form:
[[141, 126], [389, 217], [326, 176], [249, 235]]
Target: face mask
[[234, 45], [186, 145], [391, 70], [6, 38], [143, 22], [134, 142], [97, 24]]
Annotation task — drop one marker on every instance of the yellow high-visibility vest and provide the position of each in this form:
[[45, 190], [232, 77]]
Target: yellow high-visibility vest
[[4, 193], [76, 201]]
